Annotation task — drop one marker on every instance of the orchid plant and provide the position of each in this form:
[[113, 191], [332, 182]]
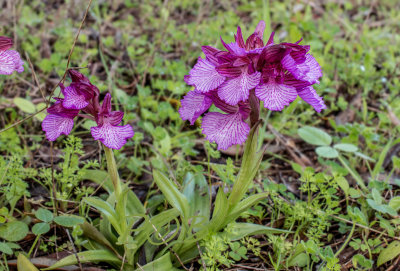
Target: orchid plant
[[236, 81]]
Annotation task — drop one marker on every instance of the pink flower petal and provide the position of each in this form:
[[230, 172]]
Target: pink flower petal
[[234, 90], [310, 96], [193, 105], [225, 129], [10, 61], [55, 125], [204, 76], [111, 136], [275, 95], [5, 43], [73, 98]]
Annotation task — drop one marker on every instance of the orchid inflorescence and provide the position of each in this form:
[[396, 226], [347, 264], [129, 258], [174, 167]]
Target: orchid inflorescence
[[10, 60], [81, 95], [236, 80]]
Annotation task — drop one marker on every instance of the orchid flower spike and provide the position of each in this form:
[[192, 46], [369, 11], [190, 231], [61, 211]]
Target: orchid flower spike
[[81, 95], [248, 71], [10, 60]]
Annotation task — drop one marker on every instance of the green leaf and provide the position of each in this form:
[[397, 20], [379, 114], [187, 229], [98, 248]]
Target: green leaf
[[238, 231], [101, 177], [363, 156], [196, 190], [314, 136], [382, 156], [244, 205], [300, 260], [105, 209], [5, 248], [44, 215], [395, 203], [346, 147], [361, 260], [162, 263], [87, 257], [93, 233], [23, 264], [343, 184], [14, 231], [327, 152], [24, 105], [69, 220], [389, 253], [171, 193], [221, 208], [40, 228]]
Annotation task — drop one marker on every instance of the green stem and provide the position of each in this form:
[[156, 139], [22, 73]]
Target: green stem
[[113, 171], [347, 241], [250, 163]]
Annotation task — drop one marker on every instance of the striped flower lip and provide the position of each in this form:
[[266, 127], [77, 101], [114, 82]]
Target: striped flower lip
[[276, 74], [10, 60], [79, 96]]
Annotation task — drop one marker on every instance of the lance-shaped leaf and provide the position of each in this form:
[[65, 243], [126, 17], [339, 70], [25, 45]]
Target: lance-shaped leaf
[[171, 193]]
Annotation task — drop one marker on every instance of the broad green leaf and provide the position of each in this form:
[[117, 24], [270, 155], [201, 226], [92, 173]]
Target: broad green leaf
[[346, 147], [44, 215], [14, 231], [314, 136], [25, 105], [41, 228], [146, 229], [300, 260], [238, 231], [343, 184], [134, 206], [5, 248], [105, 209], [93, 233], [69, 220], [221, 208], [171, 193], [359, 259], [162, 263], [382, 156], [23, 264], [86, 257], [196, 190], [327, 152], [363, 156], [244, 205], [395, 203], [389, 253]]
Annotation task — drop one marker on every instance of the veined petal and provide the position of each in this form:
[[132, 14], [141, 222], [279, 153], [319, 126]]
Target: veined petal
[[77, 76], [58, 109], [193, 105], [225, 129], [310, 96], [5, 43], [234, 48], [73, 98], [111, 136], [237, 89], [10, 61], [204, 76], [115, 117], [314, 70], [275, 95], [55, 125]]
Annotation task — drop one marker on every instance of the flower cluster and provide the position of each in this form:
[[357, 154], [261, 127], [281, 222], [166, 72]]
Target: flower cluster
[[10, 60], [81, 95], [245, 73]]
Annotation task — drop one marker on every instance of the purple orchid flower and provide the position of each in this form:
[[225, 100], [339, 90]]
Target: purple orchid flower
[[248, 71], [10, 60], [82, 95]]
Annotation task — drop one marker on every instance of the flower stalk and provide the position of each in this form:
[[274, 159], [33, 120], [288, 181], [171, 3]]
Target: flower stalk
[[113, 171]]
